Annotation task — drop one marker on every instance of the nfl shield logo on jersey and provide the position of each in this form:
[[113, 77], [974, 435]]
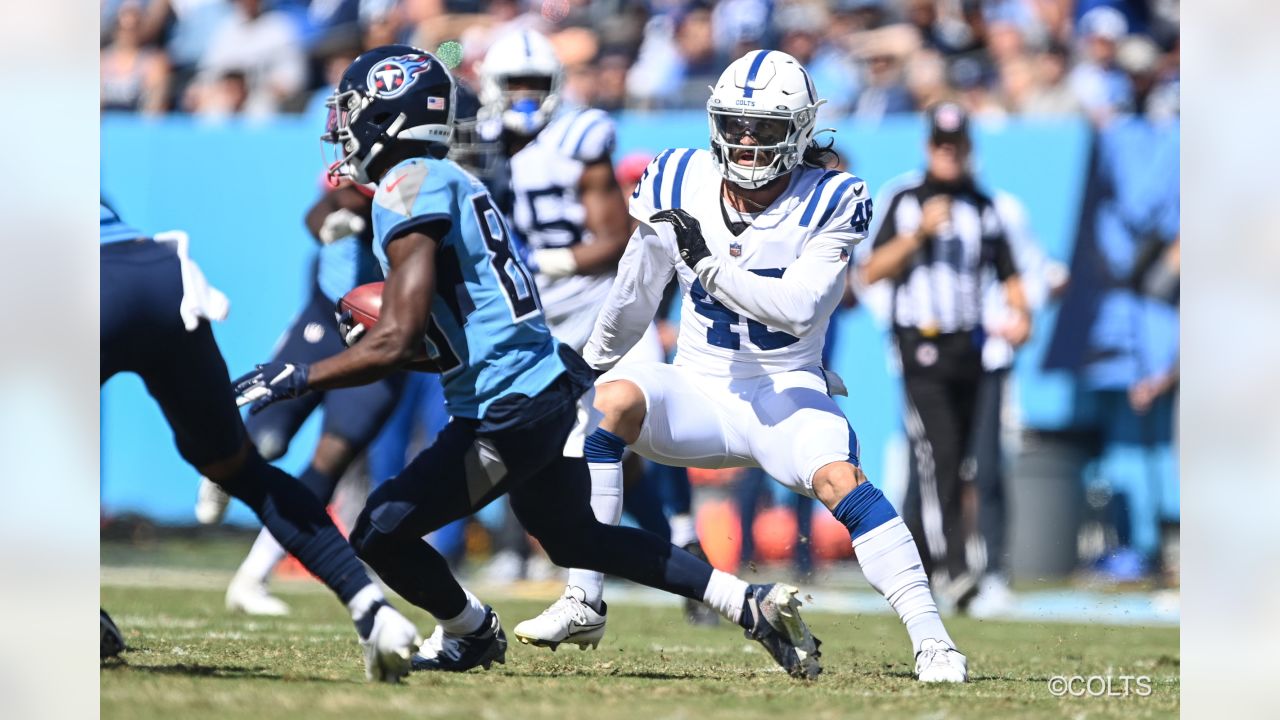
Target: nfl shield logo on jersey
[[735, 249]]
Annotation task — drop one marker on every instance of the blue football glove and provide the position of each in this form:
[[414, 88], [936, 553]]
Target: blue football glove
[[270, 382], [688, 234]]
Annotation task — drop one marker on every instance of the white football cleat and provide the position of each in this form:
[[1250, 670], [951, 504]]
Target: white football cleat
[[994, 599], [251, 598], [569, 620], [211, 502], [389, 649], [939, 662]]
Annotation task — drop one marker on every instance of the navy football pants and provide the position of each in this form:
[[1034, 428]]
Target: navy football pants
[[472, 463]]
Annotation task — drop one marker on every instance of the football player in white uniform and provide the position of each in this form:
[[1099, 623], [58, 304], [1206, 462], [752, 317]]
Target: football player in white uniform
[[759, 233], [566, 203]]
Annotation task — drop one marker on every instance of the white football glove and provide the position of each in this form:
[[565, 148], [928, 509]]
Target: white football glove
[[350, 330], [339, 224]]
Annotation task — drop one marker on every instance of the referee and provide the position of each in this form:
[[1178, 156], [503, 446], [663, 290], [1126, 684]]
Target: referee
[[938, 239]]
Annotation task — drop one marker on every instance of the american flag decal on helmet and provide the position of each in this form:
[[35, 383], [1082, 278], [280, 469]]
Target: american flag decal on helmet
[[435, 103]]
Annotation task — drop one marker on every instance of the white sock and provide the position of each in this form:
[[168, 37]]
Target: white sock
[[683, 530], [263, 557], [365, 599], [606, 503], [726, 593], [467, 621], [891, 563]]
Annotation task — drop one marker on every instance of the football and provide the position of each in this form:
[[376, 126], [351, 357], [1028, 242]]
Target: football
[[364, 303]]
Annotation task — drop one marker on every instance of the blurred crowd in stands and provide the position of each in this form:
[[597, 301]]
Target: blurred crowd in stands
[[869, 58]]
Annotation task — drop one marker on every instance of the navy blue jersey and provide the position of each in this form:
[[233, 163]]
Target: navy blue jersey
[[487, 331], [113, 229]]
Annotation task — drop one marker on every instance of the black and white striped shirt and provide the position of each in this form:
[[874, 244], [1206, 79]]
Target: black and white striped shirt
[[940, 289]]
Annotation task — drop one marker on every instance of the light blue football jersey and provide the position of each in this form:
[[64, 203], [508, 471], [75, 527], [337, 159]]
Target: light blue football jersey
[[112, 228], [487, 331]]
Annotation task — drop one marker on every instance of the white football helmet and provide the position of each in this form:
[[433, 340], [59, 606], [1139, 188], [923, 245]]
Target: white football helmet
[[768, 95], [527, 55]]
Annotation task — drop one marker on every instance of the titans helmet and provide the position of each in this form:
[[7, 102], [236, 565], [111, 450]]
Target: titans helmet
[[390, 93]]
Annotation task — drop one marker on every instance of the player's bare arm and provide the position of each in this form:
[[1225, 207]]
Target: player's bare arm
[[406, 309], [1018, 330], [607, 219]]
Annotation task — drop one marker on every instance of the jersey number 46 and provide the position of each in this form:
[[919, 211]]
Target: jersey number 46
[[722, 333]]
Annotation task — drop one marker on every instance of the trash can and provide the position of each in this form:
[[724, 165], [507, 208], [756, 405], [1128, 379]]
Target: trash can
[[1046, 504]]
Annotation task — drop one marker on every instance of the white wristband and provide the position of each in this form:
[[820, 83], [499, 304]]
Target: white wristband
[[555, 262]]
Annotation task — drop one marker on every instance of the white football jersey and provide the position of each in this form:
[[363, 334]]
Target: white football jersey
[[762, 302], [546, 208]]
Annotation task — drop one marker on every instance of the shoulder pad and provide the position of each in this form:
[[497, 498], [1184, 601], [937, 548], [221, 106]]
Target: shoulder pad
[[399, 189], [585, 136], [662, 185], [838, 200]]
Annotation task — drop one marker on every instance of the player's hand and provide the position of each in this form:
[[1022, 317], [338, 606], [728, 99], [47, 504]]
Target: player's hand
[[348, 329], [688, 234], [934, 214], [1016, 329], [270, 382], [339, 224]]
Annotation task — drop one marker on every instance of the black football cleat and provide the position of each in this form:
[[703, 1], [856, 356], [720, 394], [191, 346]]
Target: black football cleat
[[112, 643], [773, 613], [459, 653]]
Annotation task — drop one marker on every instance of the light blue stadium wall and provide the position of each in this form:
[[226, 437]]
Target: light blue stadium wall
[[240, 189]]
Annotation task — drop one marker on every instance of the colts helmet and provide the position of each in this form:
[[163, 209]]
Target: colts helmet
[[393, 92], [528, 56], [770, 96]]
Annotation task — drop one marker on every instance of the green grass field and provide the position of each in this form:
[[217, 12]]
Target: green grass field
[[189, 659]]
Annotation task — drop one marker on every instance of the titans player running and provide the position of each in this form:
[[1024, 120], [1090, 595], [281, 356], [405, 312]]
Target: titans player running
[[156, 307], [572, 217], [512, 389]]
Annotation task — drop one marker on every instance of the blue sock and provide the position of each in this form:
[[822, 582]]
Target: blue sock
[[603, 446], [297, 519], [865, 508]]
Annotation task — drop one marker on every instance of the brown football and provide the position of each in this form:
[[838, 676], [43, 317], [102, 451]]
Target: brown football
[[365, 304]]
